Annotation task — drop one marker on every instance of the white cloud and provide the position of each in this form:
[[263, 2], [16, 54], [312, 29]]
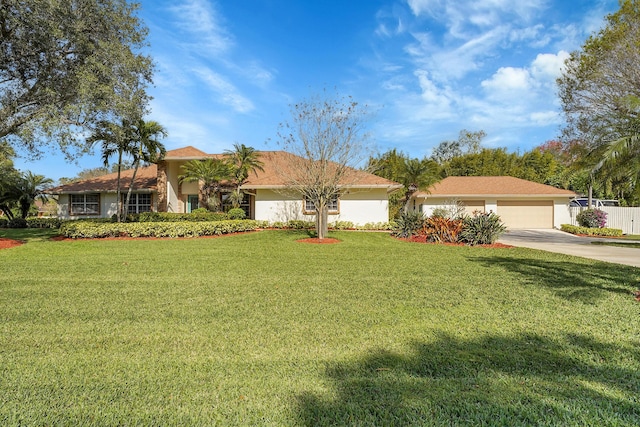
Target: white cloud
[[508, 80], [199, 18], [227, 92], [548, 66]]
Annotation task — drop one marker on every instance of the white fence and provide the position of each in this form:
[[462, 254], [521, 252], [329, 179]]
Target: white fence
[[627, 219]]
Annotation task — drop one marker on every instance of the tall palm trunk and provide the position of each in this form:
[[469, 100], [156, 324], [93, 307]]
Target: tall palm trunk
[[118, 190]]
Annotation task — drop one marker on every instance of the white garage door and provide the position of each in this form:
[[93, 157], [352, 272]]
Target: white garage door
[[526, 213]]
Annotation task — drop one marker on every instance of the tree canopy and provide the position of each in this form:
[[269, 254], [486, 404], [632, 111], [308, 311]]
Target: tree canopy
[[67, 64], [600, 95]]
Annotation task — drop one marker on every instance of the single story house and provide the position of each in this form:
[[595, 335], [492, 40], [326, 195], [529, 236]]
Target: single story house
[[364, 198], [520, 203]]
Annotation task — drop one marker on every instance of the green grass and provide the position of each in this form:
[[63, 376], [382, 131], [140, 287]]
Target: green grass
[[632, 237], [257, 329], [619, 244]]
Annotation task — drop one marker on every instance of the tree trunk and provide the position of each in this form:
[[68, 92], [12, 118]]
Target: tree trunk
[[590, 198], [118, 192], [322, 224], [125, 208]]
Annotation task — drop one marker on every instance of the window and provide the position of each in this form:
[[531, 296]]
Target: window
[[84, 204], [310, 207], [139, 202]]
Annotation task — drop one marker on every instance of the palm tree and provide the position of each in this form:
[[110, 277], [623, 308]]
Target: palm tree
[[417, 175], [31, 187], [243, 160], [149, 149], [115, 139], [209, 173]]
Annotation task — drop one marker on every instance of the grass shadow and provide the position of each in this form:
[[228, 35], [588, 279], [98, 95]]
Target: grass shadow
[[526, 380], [29, 234], [586, 283]]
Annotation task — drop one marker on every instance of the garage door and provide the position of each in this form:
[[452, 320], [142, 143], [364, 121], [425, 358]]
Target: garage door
[[526, 213]]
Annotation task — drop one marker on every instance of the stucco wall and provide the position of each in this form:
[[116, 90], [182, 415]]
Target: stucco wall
[[359, 207]]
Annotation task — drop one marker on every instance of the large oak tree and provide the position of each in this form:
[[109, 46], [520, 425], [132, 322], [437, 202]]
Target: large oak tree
[[66, 65]]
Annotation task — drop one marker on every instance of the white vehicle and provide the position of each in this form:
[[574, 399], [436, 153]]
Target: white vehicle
[[595, 203]]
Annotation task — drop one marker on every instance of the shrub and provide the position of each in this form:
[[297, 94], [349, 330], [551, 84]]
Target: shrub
[[87, 229], [39, 222], [236, 213], [592, 218], [342, 225], [200, 216], [481, 229], [409, 224], [591, 231], [18, 223], [4, 223], [442, 230], [298, 224]]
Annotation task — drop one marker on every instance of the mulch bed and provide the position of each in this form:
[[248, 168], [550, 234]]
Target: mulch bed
[[9, 243], [315, 240], [423, 239]]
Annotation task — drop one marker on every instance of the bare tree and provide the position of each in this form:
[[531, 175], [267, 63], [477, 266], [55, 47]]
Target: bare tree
[[327, 141]]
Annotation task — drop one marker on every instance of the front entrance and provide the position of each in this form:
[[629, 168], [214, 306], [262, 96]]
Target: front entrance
[[192, 202]]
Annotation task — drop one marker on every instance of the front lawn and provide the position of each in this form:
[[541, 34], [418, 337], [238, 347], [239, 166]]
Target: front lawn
[[257, 329]]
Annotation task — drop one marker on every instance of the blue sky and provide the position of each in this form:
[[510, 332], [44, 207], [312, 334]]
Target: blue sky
[[227, 70]]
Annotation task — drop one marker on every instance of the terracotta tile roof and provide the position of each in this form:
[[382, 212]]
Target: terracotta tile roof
[[275, 168], [146, 179], [275, 173], [186, 153], [459, 186]]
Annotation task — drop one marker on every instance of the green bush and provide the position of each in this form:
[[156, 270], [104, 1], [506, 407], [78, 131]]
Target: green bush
[[4, 223], [409, 224], [18, 223], [236, 213], [342, 225], [299, 224], [590, 231], [194, 216], [482, 229], [594, 218], [377, 226], [87, 229], [39, 222]]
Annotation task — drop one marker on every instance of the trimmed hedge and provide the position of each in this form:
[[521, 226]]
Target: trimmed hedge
[[41, 222], [177, 217], [589, 231], [81, 229]]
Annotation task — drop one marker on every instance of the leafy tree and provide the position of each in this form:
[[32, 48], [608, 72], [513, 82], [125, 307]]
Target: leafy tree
[[600, 92], [208, 173], [9, 177], [468, 143], [148, 149], [327, 138], [66, 65], [243, 161]]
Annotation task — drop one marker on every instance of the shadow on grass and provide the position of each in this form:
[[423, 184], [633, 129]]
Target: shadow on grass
[[527, 380], [574, 281], [28, 234]]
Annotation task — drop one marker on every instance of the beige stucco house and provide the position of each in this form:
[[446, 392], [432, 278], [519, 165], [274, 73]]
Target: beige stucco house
[[520, 203], [364, 198]]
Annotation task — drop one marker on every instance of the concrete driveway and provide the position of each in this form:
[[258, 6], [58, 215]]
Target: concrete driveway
[[565, 243]]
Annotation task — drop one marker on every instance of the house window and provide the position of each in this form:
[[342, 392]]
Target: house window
[[139, 202], [310, 207], [84, 204]]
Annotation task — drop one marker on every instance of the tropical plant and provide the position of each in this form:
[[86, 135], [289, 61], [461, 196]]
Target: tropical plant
[[442, 230], [236, 213], [244, 161], [115, 139], [208, 173], [409, 224], [482, 229], [148, 149], [418, 175]]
